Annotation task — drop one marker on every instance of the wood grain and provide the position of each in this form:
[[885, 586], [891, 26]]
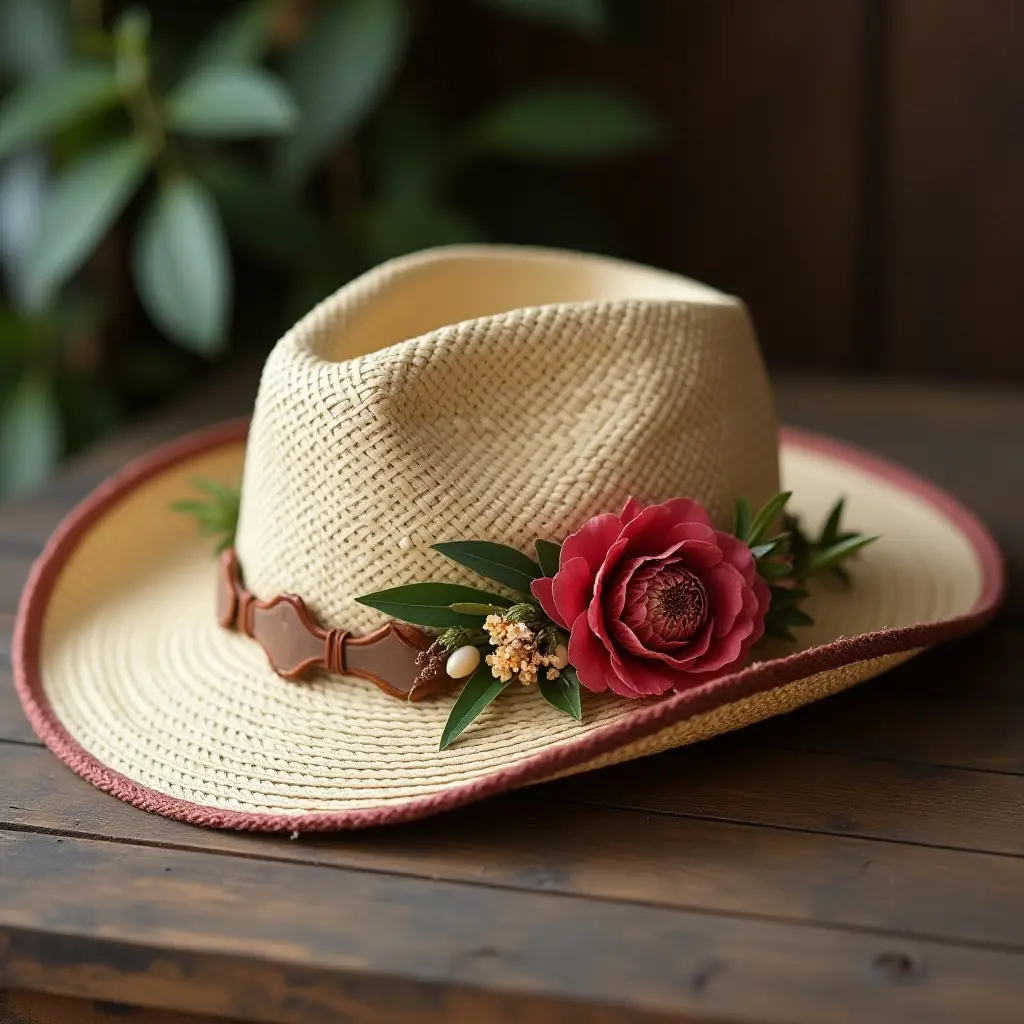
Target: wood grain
[[533, 841], [18, 1007], [271, 941]]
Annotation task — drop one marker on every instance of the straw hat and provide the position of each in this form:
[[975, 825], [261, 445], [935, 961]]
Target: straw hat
[[472, 393]]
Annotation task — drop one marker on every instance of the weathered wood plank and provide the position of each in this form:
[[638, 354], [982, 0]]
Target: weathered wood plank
[[836, 794], [273, 941], [13, 724], [20, 1007], [530, 842]]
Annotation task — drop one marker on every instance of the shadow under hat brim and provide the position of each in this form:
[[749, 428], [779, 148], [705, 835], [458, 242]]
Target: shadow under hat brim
[[127, 679]]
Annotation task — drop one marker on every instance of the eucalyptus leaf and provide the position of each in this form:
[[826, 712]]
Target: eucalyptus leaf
[[764, 519], [34, 37], [429, 604], [493, 561], [566, 123], [231, 102], [587, 17], [79, 209], [481, 689], [268, 219], [338, 73], [241, 38], [562, 692], [182, 266], [30, 435], [46, 105], [23, 183], [548, 554]]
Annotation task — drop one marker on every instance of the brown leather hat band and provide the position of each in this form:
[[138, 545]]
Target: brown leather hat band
[[296, 645]]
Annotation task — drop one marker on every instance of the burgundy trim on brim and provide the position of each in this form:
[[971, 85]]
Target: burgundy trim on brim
[[646, 720]]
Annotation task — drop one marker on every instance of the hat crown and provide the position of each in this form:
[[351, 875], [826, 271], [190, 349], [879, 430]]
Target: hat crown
[[491, 393]]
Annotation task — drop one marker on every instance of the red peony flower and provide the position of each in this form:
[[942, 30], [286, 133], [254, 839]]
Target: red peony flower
[[655, 599]]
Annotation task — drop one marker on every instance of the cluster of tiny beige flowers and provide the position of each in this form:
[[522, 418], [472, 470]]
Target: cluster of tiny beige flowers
[[515, 652]]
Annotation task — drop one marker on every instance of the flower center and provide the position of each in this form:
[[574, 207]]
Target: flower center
[[678, 604]]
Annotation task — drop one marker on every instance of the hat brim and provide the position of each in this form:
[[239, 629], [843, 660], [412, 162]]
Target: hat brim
[[126, 677]]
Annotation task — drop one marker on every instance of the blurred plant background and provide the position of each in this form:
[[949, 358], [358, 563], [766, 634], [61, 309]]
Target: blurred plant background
[[180, 180]]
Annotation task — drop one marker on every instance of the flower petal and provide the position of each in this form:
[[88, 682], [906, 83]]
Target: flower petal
[[688, 510], [588, 655], [572, 588], [592, 540], [725, 587], [630, 510], [541, 589]]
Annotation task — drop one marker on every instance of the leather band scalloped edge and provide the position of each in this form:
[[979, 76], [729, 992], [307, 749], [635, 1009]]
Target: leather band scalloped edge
[[643, 722]]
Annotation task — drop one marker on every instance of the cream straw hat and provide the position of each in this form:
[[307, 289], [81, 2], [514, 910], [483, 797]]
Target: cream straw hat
[[488, 393]]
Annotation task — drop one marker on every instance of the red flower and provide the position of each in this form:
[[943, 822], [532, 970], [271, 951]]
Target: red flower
[[655, 599]]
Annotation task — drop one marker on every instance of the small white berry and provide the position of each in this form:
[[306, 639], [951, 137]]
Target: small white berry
[[561, 656], [405, 543], [463, 662]]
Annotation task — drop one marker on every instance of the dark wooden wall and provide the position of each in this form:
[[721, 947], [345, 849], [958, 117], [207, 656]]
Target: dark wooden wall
[[854, 169]]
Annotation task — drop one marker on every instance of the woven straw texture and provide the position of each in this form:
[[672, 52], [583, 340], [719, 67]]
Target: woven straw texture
[[508, 426], [497, 394]]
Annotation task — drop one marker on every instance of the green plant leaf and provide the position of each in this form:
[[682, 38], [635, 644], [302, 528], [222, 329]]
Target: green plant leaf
[[481, 689], [764, 519], [231, 102], [830, 531], [587, 17], [34, 37], [241, 38], [774, 570], [566, 123], [741, 523], [475, 608], [30, 436], [265, 217], [548, 553], [81, 206], [562, 693], [832, 556], [337, 75], [493, 561], [429, 604], [48, 104], [182, 267]]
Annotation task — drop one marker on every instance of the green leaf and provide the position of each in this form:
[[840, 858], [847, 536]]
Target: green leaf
[[241, 38], [30, 436], [548, 554], [429, 604], [563, 692], [34, 37], [48, 104], [741, 526], [481, 689], [774, 570], [337, 75], [767, 516], [182, 267], [493, 561], [797, 617], [777, 631], [82, 205], [231, 102], [265, 217], [770, 547], [830, 532], [587, 17], [831, 556], [475, 608], [566, 123]]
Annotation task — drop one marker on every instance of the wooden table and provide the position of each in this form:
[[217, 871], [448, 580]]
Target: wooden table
[[861, 860]]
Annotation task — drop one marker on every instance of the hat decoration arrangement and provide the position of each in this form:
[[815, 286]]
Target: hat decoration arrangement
[[433, 584], [647, 602]]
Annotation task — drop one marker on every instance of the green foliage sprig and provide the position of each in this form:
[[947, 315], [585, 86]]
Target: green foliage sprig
[[790, 558], [216, 515], [463, 610]]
